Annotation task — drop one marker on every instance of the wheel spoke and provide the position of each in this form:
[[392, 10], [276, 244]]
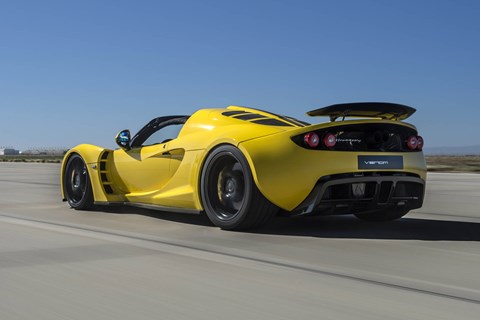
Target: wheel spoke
[[76, 180], [228, 192], [227, 188]]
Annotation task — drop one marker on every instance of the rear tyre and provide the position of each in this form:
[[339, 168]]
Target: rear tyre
[[76, 184], [383, 215], [230, 197]]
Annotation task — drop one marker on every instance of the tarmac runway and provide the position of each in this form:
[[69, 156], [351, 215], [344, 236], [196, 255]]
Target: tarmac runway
[[128, 263]]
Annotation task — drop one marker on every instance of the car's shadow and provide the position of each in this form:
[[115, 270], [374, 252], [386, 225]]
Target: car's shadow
[[193, 219], [339, 227], [349, 227]]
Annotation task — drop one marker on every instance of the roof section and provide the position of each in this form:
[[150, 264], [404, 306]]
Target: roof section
[[382, 110]]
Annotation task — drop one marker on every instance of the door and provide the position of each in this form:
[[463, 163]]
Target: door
[[145, 168]]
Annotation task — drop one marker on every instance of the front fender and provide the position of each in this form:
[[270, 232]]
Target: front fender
[[90, 154]]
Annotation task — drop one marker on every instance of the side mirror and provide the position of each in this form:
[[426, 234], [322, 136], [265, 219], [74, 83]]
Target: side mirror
[[123, 139]]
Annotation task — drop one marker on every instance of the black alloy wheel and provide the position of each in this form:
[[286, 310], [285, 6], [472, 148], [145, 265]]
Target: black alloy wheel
[[229, 194], [76, 184]]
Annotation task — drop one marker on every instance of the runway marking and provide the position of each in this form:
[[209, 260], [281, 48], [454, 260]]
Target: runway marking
[[445, 215], [30, 182], [453, 173], [118, 236]]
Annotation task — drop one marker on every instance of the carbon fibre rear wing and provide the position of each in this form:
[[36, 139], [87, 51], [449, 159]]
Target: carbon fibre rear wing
[[382, 110]]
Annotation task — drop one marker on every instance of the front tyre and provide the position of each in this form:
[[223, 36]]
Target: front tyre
[[76, 184], [383, 215], [229, 194]]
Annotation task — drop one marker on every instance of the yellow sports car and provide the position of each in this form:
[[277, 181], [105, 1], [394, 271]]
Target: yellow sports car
[[241, 166]]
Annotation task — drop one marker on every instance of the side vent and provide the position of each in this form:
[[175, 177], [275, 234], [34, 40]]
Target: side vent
[[104, 172]]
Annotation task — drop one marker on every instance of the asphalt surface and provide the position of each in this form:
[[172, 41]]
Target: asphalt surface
[[127, 263]]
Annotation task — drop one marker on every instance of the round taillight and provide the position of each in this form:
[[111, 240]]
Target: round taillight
[[412, 142], [329, 140], [311, 139], [419, 143]]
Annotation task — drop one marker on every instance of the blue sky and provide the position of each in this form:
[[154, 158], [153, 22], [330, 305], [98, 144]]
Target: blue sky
[[79, 71]]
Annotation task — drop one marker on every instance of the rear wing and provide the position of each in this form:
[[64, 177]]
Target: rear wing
[[382, 110]]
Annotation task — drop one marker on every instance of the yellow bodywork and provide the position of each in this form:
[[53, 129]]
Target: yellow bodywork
[[168, 174]]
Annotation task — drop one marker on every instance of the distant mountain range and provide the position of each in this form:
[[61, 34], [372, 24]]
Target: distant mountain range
[[469, 150]]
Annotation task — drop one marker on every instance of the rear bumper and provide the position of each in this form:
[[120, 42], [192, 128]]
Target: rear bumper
[[286, 174], [363, 192]]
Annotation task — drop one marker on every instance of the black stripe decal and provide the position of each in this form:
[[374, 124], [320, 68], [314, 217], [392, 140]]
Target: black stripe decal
[[272, 122], [250, 116], [233, 113]]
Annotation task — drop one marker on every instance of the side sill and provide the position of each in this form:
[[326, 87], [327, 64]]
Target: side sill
[[149, 206]]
